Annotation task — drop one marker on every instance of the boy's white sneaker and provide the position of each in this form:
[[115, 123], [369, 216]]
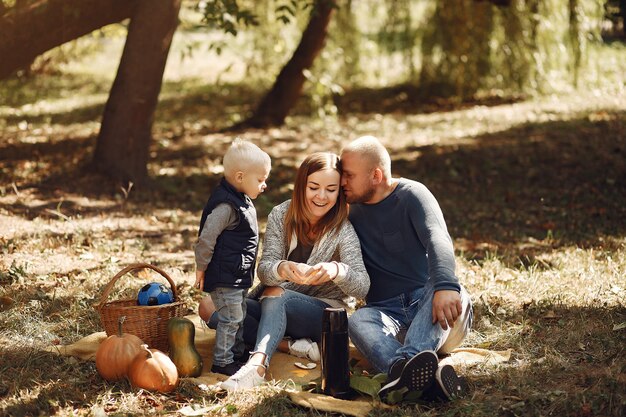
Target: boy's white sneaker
[[246, 377], [304, 348]]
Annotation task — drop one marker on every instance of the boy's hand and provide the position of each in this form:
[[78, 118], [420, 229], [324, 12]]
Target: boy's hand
[[199, 279]]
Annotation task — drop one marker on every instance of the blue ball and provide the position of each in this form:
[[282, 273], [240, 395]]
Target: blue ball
[[153, 294]]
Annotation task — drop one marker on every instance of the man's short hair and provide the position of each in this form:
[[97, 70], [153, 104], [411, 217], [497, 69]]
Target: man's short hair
[[244, 156], [370, 148]]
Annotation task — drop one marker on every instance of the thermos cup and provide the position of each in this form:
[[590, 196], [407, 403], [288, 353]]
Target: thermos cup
[[335, 353]]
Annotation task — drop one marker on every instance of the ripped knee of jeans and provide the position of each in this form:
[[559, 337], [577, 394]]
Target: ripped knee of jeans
[[271, 292]]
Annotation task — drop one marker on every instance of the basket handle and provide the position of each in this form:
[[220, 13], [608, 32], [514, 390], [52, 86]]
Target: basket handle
[[129, 268]]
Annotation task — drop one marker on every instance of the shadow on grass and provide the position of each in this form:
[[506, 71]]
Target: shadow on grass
[[557, 180], [21, 91], [562, 180], [20, 152], [180, 102], [65, 168], [81, 114], [408, 99], [43, 382], [221, 106]]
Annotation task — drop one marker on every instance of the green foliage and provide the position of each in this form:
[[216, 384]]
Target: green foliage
[[529, 46], [366, 384], [315, 386], [321, 89], [227, 15], [395, 397], [231, 15], [370, 385], [286, 11], [455, 48], [6, 4]]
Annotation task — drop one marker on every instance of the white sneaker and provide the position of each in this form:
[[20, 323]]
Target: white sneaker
[[305, 348], [246, 377]]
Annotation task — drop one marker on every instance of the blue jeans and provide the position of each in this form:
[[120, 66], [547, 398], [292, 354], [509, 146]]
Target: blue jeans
[[374, 328], [267, 321], [292, 313], [250, 322], [230, 310]]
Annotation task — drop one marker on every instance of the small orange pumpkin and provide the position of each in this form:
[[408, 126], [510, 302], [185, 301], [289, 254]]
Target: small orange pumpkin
[[153, 370], [116, 352]]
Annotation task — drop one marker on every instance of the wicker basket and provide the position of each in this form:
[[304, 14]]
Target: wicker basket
[[149, 323]]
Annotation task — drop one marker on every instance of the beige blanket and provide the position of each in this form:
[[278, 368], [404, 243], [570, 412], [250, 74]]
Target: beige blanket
[[282, 367]]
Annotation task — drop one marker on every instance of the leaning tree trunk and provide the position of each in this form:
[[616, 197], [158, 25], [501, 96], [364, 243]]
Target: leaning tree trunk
[[123, 144], [275, 106], [26, 32]]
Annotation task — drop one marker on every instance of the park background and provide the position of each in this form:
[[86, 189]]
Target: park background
[[512, 112]]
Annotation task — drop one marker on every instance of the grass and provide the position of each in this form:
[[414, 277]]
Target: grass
[[533, 192]]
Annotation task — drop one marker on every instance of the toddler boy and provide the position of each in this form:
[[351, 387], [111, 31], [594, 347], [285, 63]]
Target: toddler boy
[[227, 245]]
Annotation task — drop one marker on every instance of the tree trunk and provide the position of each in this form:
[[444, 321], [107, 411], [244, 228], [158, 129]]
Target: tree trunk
[[26, 32], [275, 106], [622, 12], [122, 149]]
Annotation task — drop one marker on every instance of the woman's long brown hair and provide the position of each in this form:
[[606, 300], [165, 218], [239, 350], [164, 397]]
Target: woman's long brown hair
[[297, 217]]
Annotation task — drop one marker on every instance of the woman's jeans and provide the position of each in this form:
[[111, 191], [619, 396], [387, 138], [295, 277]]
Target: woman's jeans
[[374, 328], [290, 314]]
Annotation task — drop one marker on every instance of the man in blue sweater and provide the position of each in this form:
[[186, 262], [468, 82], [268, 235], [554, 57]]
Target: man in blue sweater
[[415, 307]]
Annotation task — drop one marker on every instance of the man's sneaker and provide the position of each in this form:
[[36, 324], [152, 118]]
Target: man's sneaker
[[246, 377], [304, 348], [448, 385], [229, 369], [414, 374]]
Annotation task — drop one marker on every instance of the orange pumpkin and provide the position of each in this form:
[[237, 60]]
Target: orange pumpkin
[[153, 370], [115, 354]]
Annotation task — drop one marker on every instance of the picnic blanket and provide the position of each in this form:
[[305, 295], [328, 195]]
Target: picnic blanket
[[282, 367]]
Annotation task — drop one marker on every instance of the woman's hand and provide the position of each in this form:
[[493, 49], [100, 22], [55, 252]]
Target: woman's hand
[[321, 273], [293, 271]]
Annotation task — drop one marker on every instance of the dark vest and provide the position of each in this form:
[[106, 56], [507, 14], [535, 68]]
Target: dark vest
[[234, 255]]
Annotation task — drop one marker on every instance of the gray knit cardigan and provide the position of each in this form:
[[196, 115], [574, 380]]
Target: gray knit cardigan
[[340, 245]]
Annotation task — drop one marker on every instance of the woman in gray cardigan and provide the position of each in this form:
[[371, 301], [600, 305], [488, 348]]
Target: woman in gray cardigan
[[311, 260]]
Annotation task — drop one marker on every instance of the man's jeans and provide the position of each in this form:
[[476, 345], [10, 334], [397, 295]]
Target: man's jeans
[[230, 311], [374, 328], [292, 313]]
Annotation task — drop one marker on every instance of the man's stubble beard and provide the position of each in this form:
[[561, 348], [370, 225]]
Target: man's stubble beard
[[361, 198]]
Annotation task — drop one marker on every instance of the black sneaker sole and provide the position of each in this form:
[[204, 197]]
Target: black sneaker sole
[[448, 385], [418, 374]]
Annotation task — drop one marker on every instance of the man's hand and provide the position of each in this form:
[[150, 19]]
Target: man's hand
[[447, 308], [199, 279]]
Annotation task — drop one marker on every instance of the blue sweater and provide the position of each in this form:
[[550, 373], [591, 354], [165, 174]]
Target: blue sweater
[[405, 242]]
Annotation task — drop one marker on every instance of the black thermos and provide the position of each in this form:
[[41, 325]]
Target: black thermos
[[335, 352]]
